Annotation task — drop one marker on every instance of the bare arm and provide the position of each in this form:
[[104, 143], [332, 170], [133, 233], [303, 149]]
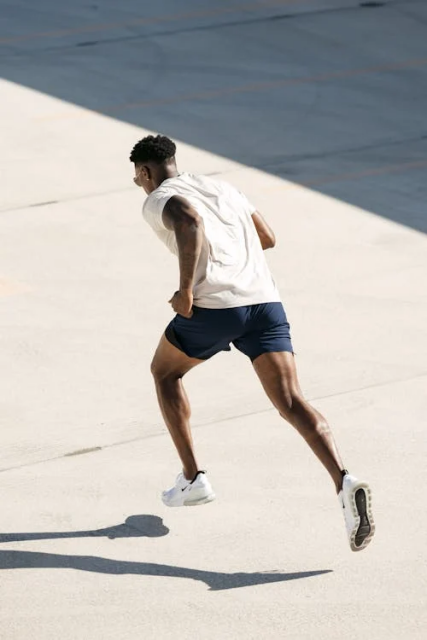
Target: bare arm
[[265, 233], [180, 216]]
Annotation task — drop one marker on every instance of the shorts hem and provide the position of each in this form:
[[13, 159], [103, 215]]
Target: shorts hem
[[287, 350]]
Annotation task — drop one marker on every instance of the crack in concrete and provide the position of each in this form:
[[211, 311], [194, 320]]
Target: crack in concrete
[[209, 27], [203, 424]]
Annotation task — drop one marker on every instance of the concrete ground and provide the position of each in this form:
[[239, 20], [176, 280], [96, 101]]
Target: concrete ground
[[317, 110]]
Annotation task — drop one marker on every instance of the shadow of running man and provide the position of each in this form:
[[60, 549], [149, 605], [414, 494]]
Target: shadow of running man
[[134, 527], [216, 581]]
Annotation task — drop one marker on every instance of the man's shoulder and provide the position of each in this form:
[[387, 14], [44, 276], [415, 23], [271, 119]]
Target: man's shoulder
[[187, 184], [158, 195], [154, 203], [168, 188]]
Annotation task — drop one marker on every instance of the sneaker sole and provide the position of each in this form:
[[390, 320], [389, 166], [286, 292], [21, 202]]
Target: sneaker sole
[[193, 503], [196, 503], [364, 529]]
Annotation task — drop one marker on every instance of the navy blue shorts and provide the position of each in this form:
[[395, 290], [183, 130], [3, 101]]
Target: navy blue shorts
[[254, 330]]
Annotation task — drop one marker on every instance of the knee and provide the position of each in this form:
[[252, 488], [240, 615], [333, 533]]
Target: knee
[[162, 373], [158, 371]]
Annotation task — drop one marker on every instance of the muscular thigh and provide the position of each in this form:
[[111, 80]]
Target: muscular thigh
[[169, 361], [278, 375]]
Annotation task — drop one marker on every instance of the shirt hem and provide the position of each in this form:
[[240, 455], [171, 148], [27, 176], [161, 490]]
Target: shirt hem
[[203, 304]]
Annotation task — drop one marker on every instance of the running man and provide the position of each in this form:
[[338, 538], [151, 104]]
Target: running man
[[227, 295]]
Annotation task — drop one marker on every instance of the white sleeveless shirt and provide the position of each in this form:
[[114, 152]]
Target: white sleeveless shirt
[[232, 270]]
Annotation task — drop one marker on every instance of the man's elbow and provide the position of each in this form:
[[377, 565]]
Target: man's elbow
[[269, 241], [197, 221]]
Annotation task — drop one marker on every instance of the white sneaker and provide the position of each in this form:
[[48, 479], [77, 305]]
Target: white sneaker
[[187, 493], [356, 500]]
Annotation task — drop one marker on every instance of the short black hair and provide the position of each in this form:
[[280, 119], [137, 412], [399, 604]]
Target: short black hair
[[156, 149]]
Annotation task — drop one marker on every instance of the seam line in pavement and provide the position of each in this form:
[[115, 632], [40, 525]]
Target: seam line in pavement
[[96, 449], [278, 162], [355, 175], [242, 22], [207, 13], [225, 92], [84, 196], [293, 183]]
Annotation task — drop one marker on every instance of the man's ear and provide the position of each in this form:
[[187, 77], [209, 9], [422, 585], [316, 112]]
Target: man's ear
[[146, 172]]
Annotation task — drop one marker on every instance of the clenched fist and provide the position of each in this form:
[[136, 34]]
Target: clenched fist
[[182, 303]]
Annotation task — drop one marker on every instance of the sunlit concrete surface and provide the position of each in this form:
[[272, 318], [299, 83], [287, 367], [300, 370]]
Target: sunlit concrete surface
[[317, 110]]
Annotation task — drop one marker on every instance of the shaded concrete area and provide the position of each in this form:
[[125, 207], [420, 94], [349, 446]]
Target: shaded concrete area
[[329, 94]]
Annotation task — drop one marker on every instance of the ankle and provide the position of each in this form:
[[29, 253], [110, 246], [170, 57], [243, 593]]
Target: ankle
[[339, 481], [190, 473]]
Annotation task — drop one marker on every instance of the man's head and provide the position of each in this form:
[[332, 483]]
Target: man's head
[[154, 160]]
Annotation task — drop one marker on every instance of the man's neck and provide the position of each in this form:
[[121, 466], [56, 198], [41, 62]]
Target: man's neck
[[169, 172]]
